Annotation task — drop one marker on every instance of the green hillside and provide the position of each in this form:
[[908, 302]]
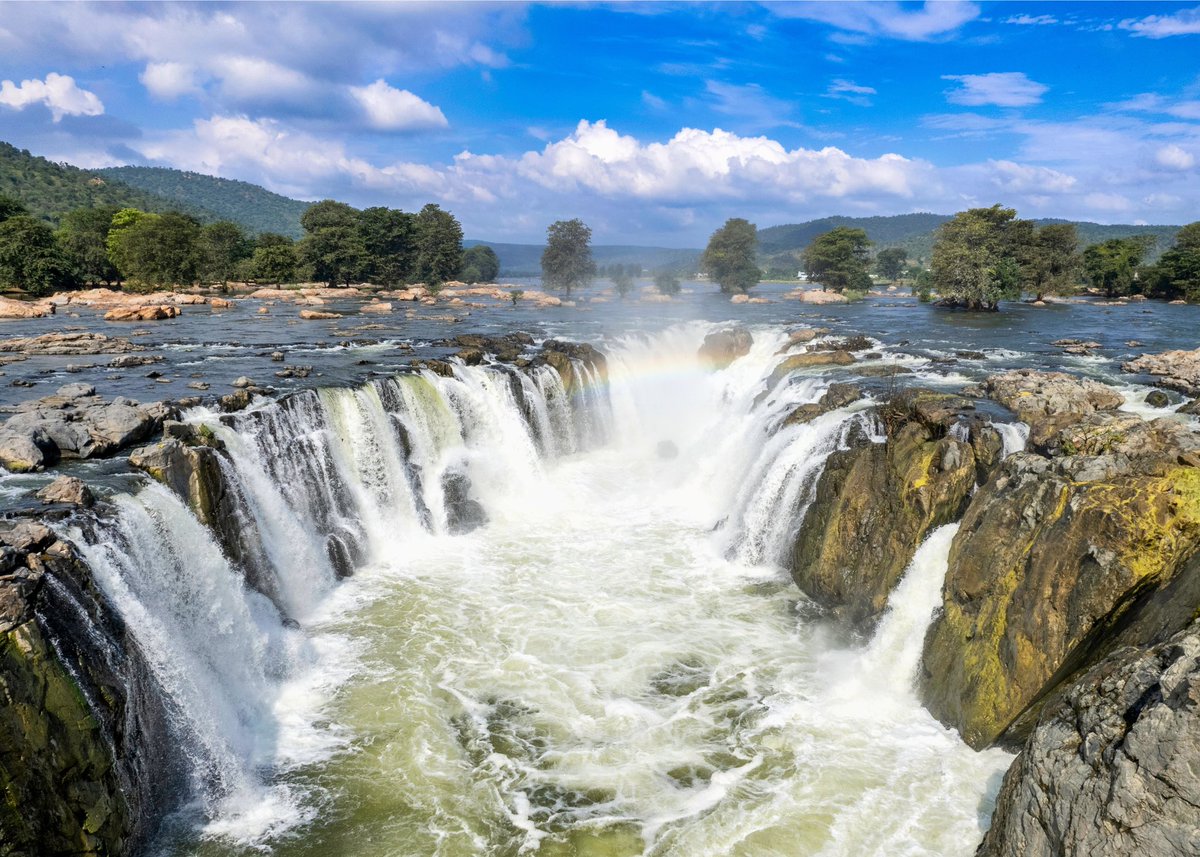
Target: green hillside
[[256, 209], [49, 190]]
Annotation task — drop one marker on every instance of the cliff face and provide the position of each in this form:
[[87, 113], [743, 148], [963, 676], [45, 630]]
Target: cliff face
[[1057, 560], [1111, 769]]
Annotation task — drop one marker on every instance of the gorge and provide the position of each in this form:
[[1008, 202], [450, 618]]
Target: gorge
[[700, 589]]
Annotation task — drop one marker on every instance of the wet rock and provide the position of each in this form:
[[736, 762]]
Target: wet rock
[[67, 489], [318, 315], [506, 348], [564, 356], [1047, 401], [470, 356], [437, 367], [970, 355], [277, 356], [1058, 560], [881, 371], [130, 361], [722, 347], [1113, 767], [236, 401], [243, 382], [1176, 370], [463, 514], [875, 502], [68, 344], [837, 396], [667, 449], [143, 313], [807, 360], [1157, 399]]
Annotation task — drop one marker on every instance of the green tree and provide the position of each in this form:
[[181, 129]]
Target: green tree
[[223, 245], [161, 250], [83, 238], [1052, 263], [567, 260], [622, 278], [389, 239], [1112, 265], [480, 264], [124, 220], [729, 258], [10, 207], [1177, 272], [837, 259], [333, 243], [439, 255], [30, 258], [889, 263], [274, 259], [976, 257], [667, 282]]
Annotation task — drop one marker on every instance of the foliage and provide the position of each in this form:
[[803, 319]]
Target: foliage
[[333, 244], [388, 238], [253, 208], [976, 257], [1112, 265], [159, 249], [439, 253], [622, 278], [1051, 263], [667, 282], [83, 239], [729, 257], [889, 262], [837, 259], [124, 220], [480, 264], [567, 260], [11, 207], [922, 287], [274, 259], [30, 258], [516, 295], [223, 245], [1177, 273]]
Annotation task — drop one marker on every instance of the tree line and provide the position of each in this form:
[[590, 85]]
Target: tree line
[[140, 249]]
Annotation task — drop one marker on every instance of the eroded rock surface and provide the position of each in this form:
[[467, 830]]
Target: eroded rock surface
[[1113, 767], [722, 347], [1177, 370], [1048, 401], [68, 344]]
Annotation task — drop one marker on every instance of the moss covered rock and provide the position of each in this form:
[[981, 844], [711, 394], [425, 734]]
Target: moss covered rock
[[875, 502], [1056, 561]]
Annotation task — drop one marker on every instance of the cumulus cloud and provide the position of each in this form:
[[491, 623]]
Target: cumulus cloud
[[1024, 178], [1002, 89], [888, 20], [169, 80], [390, 109], [58, 92], [1183, 23], [1174, 157]]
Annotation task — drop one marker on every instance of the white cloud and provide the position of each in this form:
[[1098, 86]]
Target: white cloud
[[169, 80], [749, 101], [58, 92], [1184, 23], [1034, 20], [653, 101], [1024, 178], [1002, 89], [390, 109], [848, 90], [891, 20], [251, 78], [1174, 157], [1150, 102]]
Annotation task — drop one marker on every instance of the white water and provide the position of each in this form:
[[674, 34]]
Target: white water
[[596, 671]]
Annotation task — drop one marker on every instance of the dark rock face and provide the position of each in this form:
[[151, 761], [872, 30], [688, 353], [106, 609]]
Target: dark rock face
[[722, 347], [875, 503], [463, 513], [83, 765], [506, 348], [1113, 767], [1056, 561], [837, 396]]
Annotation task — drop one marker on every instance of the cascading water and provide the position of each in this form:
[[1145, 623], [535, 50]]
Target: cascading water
[[595, 671]]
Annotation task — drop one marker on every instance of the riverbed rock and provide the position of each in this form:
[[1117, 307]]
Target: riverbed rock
[[1176, 370], [10, 308], [1047, 401], [507, 348], [1059, 559], [69, 490], [875, 502], [806, 360], [1157, 399], [722, 347], [72, 343], [142, 313], [837, 396], [1113, 767], [568, 358], [318, 315], [463, 512]]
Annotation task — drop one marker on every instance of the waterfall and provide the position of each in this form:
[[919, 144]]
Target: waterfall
[[1014, 437]]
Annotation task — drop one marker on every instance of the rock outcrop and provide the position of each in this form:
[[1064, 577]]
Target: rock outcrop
[[875, 502], [1176, 370], [142, 313], [722, 347], [1113, 767], [1048, 401], [1057, 560], [75, 423], [68, 344], [10, 308], [837, 396]]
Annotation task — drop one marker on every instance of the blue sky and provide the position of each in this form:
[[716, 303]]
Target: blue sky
[[652, 121]]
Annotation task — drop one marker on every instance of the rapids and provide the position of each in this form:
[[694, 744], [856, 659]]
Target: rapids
[[615, 663]]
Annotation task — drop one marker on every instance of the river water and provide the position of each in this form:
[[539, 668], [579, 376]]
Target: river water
[[617, 663]]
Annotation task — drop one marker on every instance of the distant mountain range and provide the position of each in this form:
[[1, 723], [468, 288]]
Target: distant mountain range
[[50, 189]]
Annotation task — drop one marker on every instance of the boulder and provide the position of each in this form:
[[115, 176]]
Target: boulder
[[463, 513], [1113, 766], [67, 489], [806, 360], [817, 296], [875, 502], [318, 315], [142, 313], [1157, 399], [1056, 561], [1047, 401], [26, 451], [376, 307], [722, 347], [837, 396], [10, 308], [68, 344], [1176, 370]]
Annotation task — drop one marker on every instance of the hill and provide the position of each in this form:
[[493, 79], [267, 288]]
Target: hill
[[525, 260], [49, 190], [255, 208]]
